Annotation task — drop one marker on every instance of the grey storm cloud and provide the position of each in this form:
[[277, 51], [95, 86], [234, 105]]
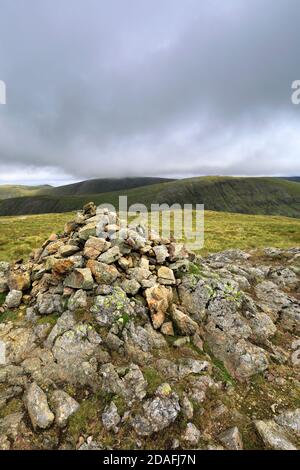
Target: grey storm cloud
[[148, 87]]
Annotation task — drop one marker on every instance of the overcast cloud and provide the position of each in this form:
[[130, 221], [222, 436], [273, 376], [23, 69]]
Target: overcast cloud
[[148, 87]]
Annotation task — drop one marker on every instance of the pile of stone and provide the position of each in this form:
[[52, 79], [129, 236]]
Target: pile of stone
[[100, 304]]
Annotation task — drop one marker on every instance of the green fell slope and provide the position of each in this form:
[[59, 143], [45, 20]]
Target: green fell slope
[[8, 191], [268, 196], [102, 185]]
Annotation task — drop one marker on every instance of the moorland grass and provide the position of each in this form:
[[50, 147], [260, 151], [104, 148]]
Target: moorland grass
[[20, 235]]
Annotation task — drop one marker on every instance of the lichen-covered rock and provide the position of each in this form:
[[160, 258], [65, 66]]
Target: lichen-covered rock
[[9, 427], [110, 256], [158, 414], [112, 307], [95, 246], [74, 351], [131, 286], [166, 276], [19, 281], [89, 230], [161, 253], [18, 342], [111, 417]]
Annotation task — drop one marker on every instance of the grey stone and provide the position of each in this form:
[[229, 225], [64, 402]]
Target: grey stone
[[78, 300], [80, 278], [191, 435], [110, 256], [184, 323], [37, 405], [63, 406], [49, 303], [111, 417], [232, 439], [274, 436], [158, 414], [161, 253], [290, 420], [130, 286], [13, 299]]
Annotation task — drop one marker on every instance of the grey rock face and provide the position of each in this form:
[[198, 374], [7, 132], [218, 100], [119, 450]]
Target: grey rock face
[[64, 323], [131, 387], [37, 405]]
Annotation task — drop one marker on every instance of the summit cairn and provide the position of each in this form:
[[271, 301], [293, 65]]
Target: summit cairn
[[113, 335]]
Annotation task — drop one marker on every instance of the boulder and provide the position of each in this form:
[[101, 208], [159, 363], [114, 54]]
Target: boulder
[[103, 273], [80, 278], [111, 417], [159, 299], [274, 436], [63, 406], [13, 299], [191, 435], [232, 439], [166, 276], [38, 409]]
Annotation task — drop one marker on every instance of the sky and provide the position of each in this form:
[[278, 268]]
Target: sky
[[175, 88]]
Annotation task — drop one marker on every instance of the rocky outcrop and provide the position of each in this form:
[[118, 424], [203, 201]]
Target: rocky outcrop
[[108, 333]]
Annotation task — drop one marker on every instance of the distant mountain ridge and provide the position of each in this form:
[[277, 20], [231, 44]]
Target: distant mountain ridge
[[103, 185], [269, 196]]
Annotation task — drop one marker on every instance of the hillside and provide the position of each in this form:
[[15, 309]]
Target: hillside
[[292, 178], [269, 196], [8, 191], [102, 185]]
